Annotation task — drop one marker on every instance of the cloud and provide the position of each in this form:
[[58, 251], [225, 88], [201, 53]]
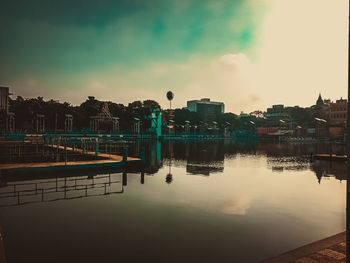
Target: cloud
[[249, 54], [303, 51], [226, 78]]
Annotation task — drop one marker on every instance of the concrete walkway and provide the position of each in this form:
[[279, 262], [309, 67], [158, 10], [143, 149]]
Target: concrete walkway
[[328, 250], [110, 159]]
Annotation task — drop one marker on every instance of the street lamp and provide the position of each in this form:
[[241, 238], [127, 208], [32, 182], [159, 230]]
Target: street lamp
[[320, 121]]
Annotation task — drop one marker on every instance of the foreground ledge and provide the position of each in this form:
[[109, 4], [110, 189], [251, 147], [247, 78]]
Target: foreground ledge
[[330, 249]]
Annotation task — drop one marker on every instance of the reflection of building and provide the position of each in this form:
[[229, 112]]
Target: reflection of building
[[324, 169], [4, 98], [338, 112], [204, 169], [205, 108]]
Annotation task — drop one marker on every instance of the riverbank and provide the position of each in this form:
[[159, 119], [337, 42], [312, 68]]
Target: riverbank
[[331, 249]]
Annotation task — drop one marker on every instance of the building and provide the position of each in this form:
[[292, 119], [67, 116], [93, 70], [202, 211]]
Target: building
[[207, 109], [338, 112], [277, 116], [319, 101], [4, 99], [322, 107]]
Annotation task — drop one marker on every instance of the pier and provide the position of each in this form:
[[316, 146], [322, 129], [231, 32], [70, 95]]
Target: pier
[[88, 153]]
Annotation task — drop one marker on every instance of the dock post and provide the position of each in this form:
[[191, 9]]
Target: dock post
[[105, 188], [125, 156], [143, 154], [57, 147], [125, 179], [86, 190], [42, 194], [96, 147], [18, 198], [142, 177], [84, 146]]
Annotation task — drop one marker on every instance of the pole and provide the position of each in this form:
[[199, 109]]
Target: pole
[[65, 151], [56, 123]]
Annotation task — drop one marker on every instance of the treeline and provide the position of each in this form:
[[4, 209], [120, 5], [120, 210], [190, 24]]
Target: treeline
[[26, 111], [55, 112]]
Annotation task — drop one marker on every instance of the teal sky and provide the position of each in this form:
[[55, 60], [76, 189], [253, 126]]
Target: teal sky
[[135, 50]]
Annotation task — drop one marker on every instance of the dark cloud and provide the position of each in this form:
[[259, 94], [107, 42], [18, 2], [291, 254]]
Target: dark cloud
[[68, 12]]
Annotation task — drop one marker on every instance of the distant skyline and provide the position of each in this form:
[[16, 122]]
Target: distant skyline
[[249, 54]]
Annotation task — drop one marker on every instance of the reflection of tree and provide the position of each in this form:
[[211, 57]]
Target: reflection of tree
[[169, 178]]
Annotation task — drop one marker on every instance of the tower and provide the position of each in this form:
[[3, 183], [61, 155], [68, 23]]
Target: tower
[[319, 101]]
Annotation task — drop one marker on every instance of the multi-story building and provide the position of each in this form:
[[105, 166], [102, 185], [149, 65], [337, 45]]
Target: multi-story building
[[277, 116], [4, 98], [207, 109], [338, 112]]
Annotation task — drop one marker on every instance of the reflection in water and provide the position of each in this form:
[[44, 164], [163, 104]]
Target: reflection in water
[[169, 178], [142, 181], [125, 179], [261, 197], [204, 169], [329, 169], [206, 157], [59, 188]]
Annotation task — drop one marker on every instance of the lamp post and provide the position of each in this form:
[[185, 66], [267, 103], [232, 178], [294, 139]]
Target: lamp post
[[319, 123]]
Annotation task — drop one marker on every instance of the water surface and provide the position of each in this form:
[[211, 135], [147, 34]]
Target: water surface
[[194, 202]]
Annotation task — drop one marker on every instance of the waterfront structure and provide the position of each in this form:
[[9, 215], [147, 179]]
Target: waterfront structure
[[156, 122], [102, 118], [68, 123], [338, 112], [10, 122], [7, 121], [4, 99], [207, 109], [40, 123], [136, 125]]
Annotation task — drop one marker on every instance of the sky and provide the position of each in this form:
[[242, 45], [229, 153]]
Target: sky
[[249, 54]]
